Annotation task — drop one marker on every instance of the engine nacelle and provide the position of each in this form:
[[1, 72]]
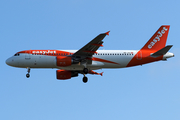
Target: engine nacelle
[[64, 74], [63, 61]]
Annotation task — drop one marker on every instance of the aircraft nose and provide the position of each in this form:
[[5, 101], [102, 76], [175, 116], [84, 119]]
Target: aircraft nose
[[9, 61]]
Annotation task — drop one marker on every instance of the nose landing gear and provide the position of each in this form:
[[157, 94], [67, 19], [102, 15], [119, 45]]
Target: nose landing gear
[[28, 75]]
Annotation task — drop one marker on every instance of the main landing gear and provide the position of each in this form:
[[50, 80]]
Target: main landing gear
[[28, 75], [85, 79], [85, 71]]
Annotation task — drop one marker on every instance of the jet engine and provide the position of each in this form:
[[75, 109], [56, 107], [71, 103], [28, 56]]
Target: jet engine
[[64, 74]]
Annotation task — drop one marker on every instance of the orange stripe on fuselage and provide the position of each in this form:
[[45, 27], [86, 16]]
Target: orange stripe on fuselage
[[146, 58]]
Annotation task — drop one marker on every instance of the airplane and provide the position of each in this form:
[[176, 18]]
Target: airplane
[[71, 63]]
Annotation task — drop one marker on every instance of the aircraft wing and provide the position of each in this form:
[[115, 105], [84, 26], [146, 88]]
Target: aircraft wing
[[89, 49]]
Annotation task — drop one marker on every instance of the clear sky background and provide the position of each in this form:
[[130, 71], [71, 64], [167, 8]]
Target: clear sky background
[[148, 92]]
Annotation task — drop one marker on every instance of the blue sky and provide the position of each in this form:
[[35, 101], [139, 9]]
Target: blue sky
[[138, 93]]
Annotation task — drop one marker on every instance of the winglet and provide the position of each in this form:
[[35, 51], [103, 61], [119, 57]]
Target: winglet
[[107, 33]]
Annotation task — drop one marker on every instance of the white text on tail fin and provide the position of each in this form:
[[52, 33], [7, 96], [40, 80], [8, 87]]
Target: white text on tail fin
[[158, 40]]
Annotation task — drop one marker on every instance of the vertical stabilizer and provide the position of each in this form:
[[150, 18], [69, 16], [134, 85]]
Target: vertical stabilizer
[[156, 43], [158, 40]]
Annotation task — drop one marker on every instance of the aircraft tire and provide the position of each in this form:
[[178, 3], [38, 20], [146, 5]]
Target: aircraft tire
[[27, 75], [85, 79], [85, 70]]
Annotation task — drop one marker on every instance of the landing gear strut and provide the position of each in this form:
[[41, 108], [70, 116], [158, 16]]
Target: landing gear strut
[[85, 71], [28, 75]]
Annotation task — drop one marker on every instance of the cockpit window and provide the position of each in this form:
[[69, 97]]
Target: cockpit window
[[17, 54]]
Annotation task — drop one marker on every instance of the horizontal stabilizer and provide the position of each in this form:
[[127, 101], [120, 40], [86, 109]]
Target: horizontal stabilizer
[[162, 51]]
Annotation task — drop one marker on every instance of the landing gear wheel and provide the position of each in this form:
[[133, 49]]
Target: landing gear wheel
[[85, 70], [27, 75], [85, 79]]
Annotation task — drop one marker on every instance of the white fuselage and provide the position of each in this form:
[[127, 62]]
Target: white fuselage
[[103, 59], [108, 59]]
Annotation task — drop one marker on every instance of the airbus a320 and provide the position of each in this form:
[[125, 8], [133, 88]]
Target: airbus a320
[[71, 63]]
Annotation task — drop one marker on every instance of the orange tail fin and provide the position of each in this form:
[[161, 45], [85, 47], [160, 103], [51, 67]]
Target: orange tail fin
[[158, 40]]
